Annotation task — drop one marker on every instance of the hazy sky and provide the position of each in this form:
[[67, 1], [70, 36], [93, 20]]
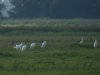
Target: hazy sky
[[8, 7]]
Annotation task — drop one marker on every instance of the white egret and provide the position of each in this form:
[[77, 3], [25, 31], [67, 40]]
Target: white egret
[[23, 47], [95, 44], [32, 45], [44, 43], [82, 40]]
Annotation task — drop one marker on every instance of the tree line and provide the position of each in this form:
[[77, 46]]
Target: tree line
[[56, 9]]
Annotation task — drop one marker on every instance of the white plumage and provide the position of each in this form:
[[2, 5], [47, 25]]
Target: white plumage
[[43, 45], [32, 45], [95, 44], [20, 45], [23, 47], [17, 47], [81, 42]]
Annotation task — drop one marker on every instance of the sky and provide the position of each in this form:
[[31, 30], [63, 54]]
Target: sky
[[8, 7]]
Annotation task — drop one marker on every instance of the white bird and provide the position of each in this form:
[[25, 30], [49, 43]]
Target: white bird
[[82, 40], [95, 44], [43, 45], [23, 47], [32, 45], [20, 45], [17, 47]]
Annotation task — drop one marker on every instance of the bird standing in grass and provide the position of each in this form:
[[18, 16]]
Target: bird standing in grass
[[21, 44], [82, 40], [44, 43], [17, 47], [23, 47], [32, 45], [95, 44]]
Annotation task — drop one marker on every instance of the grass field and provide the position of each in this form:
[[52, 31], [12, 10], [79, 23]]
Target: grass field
[[63, 54]]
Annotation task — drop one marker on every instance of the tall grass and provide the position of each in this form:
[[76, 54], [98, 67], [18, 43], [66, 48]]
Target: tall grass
[[16, 27], [63, 54]]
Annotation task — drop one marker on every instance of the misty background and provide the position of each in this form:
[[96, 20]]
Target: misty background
[[49, 8]]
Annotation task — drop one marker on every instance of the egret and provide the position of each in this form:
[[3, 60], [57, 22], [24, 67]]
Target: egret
[[17, 47], [23, 47], [81, 42], [95, 44], [44, 43], [32, 45]]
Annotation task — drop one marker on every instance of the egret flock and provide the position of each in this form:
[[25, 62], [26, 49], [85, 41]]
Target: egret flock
[[22, 47]]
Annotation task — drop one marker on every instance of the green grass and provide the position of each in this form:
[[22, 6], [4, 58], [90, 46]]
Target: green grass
[[62, 56], [38, 26]]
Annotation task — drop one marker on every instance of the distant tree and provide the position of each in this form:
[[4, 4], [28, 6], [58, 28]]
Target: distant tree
[[57, 8], [1, 7]]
